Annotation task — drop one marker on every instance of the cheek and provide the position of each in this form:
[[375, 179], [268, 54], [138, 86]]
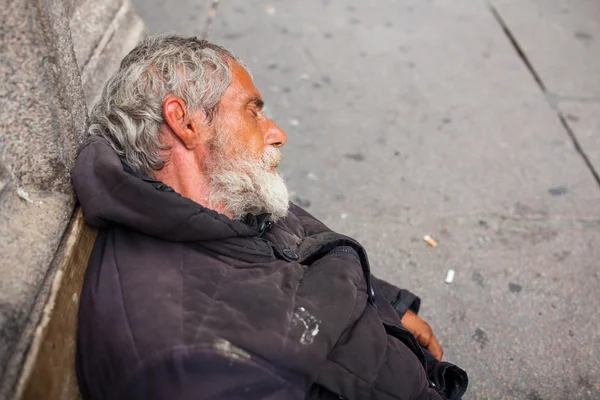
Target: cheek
[[246, 136], [251, 149], [253, 139]]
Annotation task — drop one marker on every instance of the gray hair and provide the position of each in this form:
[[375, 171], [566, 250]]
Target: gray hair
[[129, 113]]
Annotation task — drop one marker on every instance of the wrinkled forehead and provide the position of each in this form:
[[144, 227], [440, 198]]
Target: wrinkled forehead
[[242, 88]]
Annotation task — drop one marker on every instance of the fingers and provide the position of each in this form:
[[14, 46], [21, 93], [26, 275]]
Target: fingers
[[435, 349], [427, 339], [423, 333]]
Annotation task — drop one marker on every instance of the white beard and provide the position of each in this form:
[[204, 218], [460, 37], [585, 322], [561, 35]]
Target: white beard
[[246, 186]]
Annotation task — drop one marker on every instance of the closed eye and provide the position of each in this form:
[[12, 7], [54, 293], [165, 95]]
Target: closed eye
[[255, 105]]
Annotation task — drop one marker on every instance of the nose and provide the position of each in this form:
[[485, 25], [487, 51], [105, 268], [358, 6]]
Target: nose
[[274, 135]]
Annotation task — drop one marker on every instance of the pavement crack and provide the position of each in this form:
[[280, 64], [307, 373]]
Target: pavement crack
[[555, 221], [578, 147], [556, 98], [548, 95], [210, 18], [416, 218], [517, 47]]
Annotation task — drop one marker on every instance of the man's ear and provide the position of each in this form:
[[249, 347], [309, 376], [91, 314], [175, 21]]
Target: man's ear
[[180, 121]]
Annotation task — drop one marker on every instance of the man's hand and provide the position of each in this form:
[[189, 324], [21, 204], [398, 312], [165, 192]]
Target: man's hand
[[423, 333]]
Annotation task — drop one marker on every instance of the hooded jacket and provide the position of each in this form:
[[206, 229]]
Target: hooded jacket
[[181, 302]]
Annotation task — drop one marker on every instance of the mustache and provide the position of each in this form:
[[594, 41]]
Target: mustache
[[271, 158]]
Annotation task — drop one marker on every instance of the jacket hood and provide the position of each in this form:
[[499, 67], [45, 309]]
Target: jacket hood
[[109, 194]]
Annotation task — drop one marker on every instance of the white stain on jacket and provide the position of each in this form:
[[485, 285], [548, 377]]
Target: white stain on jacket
[[230, 350], [306, 323]]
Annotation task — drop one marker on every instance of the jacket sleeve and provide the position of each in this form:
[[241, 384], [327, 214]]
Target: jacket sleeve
[[209, 375], [400, 299]]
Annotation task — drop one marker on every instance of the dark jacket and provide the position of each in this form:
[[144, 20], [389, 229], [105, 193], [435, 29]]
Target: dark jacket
[[180, 302]]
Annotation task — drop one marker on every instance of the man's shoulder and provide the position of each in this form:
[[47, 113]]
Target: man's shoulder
[[310, 224]]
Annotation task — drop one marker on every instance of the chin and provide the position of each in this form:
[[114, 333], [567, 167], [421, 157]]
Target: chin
[[275, 196]]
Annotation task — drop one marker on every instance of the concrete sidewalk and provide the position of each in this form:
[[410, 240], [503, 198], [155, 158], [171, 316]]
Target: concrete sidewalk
[[473, 122]]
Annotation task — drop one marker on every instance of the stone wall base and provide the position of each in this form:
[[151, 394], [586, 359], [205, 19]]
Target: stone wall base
[[56, 56]]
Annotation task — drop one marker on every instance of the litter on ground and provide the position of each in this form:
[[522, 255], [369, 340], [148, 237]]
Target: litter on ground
[[449, 276], [430, 241]]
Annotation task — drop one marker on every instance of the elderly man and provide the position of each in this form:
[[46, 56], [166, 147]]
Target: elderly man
[[205, 282]]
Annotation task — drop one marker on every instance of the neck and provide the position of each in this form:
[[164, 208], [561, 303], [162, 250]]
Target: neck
[[184, 172]]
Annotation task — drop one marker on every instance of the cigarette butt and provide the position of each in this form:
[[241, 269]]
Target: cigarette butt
[[430, 241], [449, 276]]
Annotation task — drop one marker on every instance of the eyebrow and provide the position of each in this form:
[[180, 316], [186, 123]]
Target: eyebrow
[[257, 101]]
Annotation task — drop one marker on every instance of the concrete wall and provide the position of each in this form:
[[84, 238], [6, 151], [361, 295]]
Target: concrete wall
[[55, 56]]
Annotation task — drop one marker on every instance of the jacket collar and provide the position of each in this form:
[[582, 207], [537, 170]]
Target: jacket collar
[[110, 193]]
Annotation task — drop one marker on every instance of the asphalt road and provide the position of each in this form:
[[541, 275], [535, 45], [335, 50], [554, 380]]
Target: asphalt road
[[408, 118]]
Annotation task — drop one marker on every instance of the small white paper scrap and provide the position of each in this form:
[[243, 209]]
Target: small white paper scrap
[[449, 276]]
